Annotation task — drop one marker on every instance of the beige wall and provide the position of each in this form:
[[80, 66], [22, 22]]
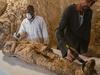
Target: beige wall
[[52, 10]]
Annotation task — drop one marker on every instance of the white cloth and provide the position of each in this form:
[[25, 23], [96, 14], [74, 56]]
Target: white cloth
[[36, 30], [81, 19]]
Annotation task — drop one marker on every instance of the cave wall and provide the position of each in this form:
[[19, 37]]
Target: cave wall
[[51, 11]]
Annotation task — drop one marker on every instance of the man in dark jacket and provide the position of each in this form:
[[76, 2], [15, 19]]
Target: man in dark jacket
[[75, 27]]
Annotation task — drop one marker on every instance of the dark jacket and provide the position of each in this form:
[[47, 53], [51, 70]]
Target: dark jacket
[[71, 33]]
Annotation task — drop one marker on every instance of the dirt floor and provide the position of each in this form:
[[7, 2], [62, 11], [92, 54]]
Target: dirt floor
[[14, 66]]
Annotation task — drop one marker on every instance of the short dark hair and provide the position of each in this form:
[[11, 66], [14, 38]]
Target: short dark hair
[[30, 9], [91, 2]]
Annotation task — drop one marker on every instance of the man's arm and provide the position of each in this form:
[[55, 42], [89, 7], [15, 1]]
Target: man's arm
[[22, 28], [88, 31], [63, 24], [21, 32], [45, 32]]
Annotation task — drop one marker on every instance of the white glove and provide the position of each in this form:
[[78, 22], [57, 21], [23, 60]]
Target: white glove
[[16, 35]]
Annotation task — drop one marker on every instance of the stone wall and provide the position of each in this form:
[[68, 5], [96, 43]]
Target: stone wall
[[95, 32], [51, 11]]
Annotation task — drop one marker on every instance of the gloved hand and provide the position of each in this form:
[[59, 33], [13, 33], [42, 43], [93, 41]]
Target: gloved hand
[[16, 35]]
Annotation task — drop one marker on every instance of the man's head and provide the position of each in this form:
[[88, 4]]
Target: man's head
[[86, 3], [30, 12]]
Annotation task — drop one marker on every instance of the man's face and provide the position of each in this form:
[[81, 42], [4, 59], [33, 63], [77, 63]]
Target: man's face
[[29, 16], [84, 4]]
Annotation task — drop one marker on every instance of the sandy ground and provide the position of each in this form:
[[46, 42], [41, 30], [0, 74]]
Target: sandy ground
[[14, 66]]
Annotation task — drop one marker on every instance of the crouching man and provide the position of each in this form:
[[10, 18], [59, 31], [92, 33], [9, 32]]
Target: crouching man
[[33, 28]]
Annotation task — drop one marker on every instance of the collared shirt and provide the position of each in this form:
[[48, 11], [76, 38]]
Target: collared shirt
[[36, 30]]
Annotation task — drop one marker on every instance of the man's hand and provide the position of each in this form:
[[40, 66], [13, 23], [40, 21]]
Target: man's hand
[[70, 56], [20, 36], [17, 36]]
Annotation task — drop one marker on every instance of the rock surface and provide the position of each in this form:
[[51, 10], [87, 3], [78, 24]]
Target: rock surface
[[51, 11]]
